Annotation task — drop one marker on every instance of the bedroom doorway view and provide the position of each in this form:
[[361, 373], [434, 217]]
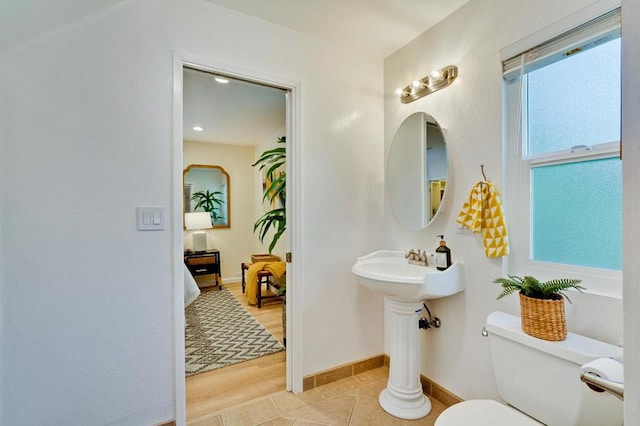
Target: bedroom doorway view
[[234, 180]]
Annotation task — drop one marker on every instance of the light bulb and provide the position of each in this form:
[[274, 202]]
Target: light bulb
[[221, 80], [398, 91], [416, 84], [198, 128]]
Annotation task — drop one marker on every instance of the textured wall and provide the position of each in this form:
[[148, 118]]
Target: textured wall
[[456, 355], [88, 325]]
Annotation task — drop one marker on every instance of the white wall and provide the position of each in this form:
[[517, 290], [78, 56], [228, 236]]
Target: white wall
[[3, 316], [236, 242], [87, 299], [456, 355], [3, 327], [631, 188]]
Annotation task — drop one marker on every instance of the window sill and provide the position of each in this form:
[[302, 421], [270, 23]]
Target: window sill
[[617, 295], [598, 282]]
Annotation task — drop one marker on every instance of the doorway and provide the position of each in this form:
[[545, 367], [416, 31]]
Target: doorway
[[293, 380]]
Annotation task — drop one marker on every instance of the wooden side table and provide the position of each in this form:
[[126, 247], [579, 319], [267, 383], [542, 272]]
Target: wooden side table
[[204, 263]]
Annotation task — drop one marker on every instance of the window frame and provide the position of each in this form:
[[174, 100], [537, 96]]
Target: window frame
[[518, 195]]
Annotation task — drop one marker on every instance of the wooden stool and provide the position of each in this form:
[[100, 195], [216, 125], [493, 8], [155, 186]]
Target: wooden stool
[[257, 258], [264, 277]]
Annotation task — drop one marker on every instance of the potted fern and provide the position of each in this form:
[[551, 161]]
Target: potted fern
[[541, 304]]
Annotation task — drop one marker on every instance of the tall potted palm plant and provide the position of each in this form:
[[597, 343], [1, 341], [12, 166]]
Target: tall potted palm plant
[[275, 191], [272, 161]]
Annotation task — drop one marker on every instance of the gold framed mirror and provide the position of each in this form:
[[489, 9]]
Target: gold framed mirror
[[207, 189]]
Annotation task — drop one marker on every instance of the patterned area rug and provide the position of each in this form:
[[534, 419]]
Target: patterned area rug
[[220, 332]]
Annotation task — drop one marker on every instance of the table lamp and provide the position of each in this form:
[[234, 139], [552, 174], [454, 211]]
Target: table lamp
[[198, 221]]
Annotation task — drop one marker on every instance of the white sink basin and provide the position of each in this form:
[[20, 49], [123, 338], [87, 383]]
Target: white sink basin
[[388, 272], [405, 286]]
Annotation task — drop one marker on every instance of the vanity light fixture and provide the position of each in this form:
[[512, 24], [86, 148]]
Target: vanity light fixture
[[436, 80], [198, 128]]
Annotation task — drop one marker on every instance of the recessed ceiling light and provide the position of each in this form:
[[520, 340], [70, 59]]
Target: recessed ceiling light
[[221, 80], [198, 128]]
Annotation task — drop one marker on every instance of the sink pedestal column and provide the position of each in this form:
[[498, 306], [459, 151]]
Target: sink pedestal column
[[403, 395]]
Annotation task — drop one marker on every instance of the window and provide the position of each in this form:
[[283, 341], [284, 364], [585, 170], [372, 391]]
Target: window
[[562, 151]]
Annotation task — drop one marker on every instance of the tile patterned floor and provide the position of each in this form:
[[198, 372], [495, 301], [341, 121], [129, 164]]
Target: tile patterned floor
[[350, 401]]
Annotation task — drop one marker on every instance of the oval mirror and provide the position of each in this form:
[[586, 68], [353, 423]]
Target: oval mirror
[[417, 171], [206, 189]]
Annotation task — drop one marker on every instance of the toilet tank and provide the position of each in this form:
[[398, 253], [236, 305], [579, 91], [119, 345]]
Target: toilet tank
[[542, 378]]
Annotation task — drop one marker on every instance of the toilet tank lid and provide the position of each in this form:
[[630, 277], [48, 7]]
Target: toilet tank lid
[[576, 348]]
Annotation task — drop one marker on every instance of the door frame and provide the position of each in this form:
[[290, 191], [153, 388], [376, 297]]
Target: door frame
[[293, 206]]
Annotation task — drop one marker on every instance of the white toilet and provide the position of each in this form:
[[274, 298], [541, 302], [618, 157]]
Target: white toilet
[[539, 378]]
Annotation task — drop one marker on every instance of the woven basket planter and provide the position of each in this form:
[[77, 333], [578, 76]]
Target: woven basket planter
[[543, 318], [264, 258]]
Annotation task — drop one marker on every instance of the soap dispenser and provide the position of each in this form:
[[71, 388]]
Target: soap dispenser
[[443, 255]]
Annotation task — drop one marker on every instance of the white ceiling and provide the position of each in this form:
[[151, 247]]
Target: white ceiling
[[379, 27], [22, 20], [230, 114], [242, 113], [236, 113]]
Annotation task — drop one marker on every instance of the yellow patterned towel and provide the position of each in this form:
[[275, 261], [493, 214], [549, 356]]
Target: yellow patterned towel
[[483, 213], [277, 270]]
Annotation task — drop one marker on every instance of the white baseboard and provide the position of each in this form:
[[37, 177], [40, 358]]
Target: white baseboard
[[233, 279]]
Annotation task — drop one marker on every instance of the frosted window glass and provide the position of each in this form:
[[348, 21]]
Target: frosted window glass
[[577, 213], [575, 101]]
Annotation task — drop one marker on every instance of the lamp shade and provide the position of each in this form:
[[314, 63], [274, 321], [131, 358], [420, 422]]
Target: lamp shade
[[197, 220]]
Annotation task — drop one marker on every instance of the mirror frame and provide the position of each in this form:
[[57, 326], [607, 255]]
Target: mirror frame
[[227, 201]]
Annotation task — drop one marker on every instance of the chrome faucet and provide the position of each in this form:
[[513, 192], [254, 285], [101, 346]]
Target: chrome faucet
[[417, 257]]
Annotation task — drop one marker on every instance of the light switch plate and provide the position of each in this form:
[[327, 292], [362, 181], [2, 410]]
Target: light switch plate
[[151, 218]]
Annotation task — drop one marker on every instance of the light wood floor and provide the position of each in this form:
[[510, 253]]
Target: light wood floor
[[225, 387]]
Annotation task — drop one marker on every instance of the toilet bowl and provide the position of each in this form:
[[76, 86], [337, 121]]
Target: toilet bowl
[[483, 412], [540, 382]]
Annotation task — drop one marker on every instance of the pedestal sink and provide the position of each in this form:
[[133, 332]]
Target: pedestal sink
[[405, 286]]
